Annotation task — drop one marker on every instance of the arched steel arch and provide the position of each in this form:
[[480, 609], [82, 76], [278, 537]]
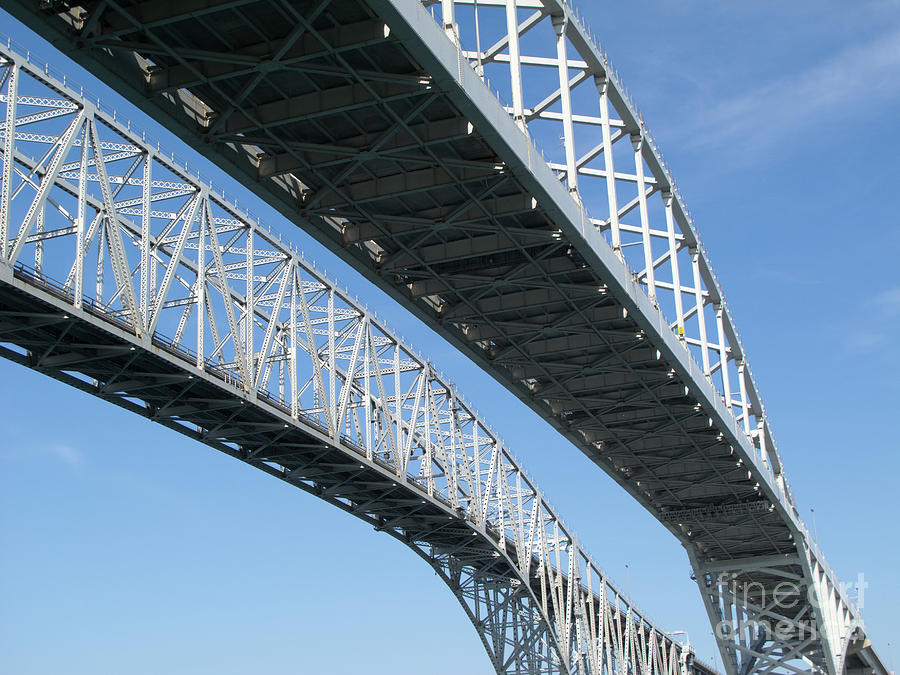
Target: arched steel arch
[[403, 135], [127, 277]]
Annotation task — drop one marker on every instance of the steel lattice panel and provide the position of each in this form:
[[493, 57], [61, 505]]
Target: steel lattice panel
[[578, 281], [125, 276]]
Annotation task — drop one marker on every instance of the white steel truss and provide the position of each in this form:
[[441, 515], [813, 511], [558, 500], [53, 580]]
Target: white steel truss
[[124, 275], [539, 56], [555, 82], [405, 135]]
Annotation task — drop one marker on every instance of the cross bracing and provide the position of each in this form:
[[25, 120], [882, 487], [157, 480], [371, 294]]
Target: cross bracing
[[186, 311], [403, 135]]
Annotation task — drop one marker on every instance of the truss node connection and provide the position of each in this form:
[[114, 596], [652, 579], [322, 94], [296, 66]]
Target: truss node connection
[[123, 275], [405, 136]]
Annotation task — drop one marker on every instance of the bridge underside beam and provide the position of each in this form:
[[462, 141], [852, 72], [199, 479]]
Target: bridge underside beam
[[301, 382], [460, 224], [546, 349], [328, 75]]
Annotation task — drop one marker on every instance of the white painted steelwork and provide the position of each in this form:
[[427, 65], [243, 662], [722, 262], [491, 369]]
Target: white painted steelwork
[[124, 275], [405, 136], [654, 251]]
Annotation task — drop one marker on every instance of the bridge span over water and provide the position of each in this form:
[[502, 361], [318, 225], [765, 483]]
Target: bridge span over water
[[405, 136]]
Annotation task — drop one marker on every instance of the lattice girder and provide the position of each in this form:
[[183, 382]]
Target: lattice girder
[[572, 274], [125, 276]]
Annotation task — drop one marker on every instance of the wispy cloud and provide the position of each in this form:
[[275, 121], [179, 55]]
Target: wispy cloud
[[60, 453], [786, 275], [880, 334], [888, 302], [866, 341], [66, 454], [772, 111]]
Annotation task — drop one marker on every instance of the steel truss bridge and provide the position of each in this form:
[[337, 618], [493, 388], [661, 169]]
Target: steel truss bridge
[[128, 278], [405, 135]]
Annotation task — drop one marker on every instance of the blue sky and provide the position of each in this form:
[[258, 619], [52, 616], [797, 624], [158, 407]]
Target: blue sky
[[125, 547]]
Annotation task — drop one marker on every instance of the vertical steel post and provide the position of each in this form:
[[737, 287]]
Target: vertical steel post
[[668, 198], [332, 382], [763, 445], [515, 64], [449, 21], [398, 405], [146, 199], [723, 356], [201, 282], [292, 327], [602, 82], [637, 142], [701, 318], [742, 381], [249, 309], [80, 218], [9, 138], [560, 23], [367, 386]]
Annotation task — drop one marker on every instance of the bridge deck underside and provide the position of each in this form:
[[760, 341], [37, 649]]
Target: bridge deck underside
[[354, 137], [317, 108]]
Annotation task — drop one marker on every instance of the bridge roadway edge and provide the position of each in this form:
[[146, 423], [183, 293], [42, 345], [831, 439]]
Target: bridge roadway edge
[[113, 71]]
